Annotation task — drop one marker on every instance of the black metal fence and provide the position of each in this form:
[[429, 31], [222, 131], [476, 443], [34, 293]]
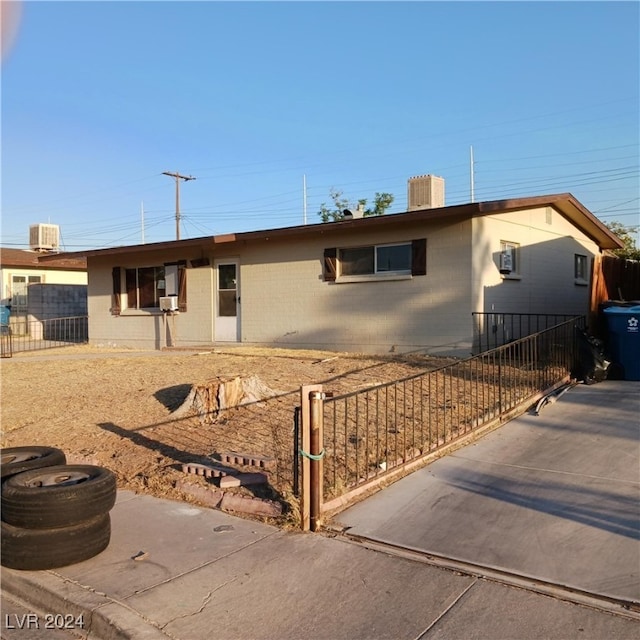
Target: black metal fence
[[369, 432], [30, 335], [492, 330]]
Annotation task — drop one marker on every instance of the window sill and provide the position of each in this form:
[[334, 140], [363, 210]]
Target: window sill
[[373, 278], [511, 276], [141, 312], [580, 283]]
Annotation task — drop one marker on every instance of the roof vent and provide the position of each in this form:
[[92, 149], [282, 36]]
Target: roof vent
[[425, 192], [44, 237], [350, 214]]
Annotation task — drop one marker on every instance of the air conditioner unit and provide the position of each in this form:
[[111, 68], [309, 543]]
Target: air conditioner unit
[[506, 262], [169, 303], [44, 237], [425, 192]]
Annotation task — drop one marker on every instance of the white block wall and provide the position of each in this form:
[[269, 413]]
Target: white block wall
[[145, 329], [285, 302], [545, 280]]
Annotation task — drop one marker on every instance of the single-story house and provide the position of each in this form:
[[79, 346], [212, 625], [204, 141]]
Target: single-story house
[[392, 283], [61, 283]]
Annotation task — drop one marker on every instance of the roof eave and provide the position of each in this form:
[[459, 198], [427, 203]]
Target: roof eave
[[565, 203], [569, 207]]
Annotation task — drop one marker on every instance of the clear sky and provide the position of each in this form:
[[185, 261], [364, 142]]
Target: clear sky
[[255, 98]]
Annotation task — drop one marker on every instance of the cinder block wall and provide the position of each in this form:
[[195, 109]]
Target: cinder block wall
[[57, 301]]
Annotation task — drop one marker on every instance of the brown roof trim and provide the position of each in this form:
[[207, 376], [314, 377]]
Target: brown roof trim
[[151, 246], [571, 208], [565, 203], [25, 258]]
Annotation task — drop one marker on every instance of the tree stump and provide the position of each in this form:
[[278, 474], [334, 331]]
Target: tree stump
[[210, 399]]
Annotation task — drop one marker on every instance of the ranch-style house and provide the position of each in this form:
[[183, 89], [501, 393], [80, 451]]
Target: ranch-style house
[[399, 282]]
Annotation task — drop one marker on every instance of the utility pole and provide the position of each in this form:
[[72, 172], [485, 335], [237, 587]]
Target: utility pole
[[178, 177]]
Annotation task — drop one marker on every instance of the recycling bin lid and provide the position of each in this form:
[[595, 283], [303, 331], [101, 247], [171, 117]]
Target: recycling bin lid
[[633, 311]]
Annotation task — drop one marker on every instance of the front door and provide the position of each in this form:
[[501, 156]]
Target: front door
[[227, 327]]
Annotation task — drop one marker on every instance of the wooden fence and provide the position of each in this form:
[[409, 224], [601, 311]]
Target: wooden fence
[[612, 279]]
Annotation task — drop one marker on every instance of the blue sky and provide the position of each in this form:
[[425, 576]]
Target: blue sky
[[255, 98]]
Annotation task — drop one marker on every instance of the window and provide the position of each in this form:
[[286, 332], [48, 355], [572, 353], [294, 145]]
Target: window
[[580, 267], [393, 258], [144, 286], [356, 262], [380, 259], [227, 290], [19, 291], [383, 260], [509, 258]]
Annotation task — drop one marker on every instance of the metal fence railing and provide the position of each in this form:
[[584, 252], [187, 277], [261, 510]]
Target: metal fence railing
[[6, 343], [30, 335], [369, 432], [492, 329]]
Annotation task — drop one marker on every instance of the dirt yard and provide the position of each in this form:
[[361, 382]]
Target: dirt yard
[[114, 408]]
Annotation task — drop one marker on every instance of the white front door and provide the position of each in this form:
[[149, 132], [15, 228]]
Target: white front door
[[227, 327]]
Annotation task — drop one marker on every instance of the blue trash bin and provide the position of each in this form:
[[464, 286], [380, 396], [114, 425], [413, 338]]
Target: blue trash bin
[[5, 312], [6, 341], [623, 339]]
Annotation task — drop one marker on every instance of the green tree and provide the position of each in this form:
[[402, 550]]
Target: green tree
[[627, 234], [335, 211]]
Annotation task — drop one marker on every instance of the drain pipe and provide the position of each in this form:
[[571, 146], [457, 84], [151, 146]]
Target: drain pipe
[[552, 397]]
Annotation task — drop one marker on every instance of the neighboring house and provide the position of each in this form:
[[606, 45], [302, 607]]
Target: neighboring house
[[58, 287], [398, 282]]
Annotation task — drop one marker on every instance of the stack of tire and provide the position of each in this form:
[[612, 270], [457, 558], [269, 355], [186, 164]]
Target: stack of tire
[[53, 514]]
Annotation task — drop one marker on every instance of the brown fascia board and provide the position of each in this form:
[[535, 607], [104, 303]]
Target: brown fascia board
[[570, 208], [24, 258], [66, 264], [198, 243], [565, 203], [592, 226]]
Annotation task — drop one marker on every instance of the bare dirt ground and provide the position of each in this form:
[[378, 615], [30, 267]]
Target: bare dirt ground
[[114, 408]]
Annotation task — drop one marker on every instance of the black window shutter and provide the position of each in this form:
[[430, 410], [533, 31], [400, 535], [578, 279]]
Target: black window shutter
[[115, 302], [182, 286], [330, 264], [419, 257]]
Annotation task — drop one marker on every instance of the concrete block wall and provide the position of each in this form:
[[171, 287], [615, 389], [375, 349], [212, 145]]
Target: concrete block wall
[[56, 301], [545, 281], [147, 329], [286, 302]]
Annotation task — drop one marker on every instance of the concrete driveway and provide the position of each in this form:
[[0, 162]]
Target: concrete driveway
[[553, 497]]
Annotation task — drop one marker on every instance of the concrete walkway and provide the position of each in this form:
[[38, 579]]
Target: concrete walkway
[[554, 496], [176, 571]]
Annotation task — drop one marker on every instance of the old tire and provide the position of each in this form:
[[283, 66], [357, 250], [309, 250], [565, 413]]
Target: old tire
[[58, 496], [18, 459], [38, 549]]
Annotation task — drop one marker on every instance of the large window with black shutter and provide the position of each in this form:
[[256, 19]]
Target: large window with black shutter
[[144, 286], [376, 261]]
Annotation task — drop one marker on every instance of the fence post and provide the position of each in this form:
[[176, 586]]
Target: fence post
[[305, 451], [500, 403], [316, 454]]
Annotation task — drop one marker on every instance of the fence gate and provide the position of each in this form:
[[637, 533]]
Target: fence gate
[[353, 443]]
